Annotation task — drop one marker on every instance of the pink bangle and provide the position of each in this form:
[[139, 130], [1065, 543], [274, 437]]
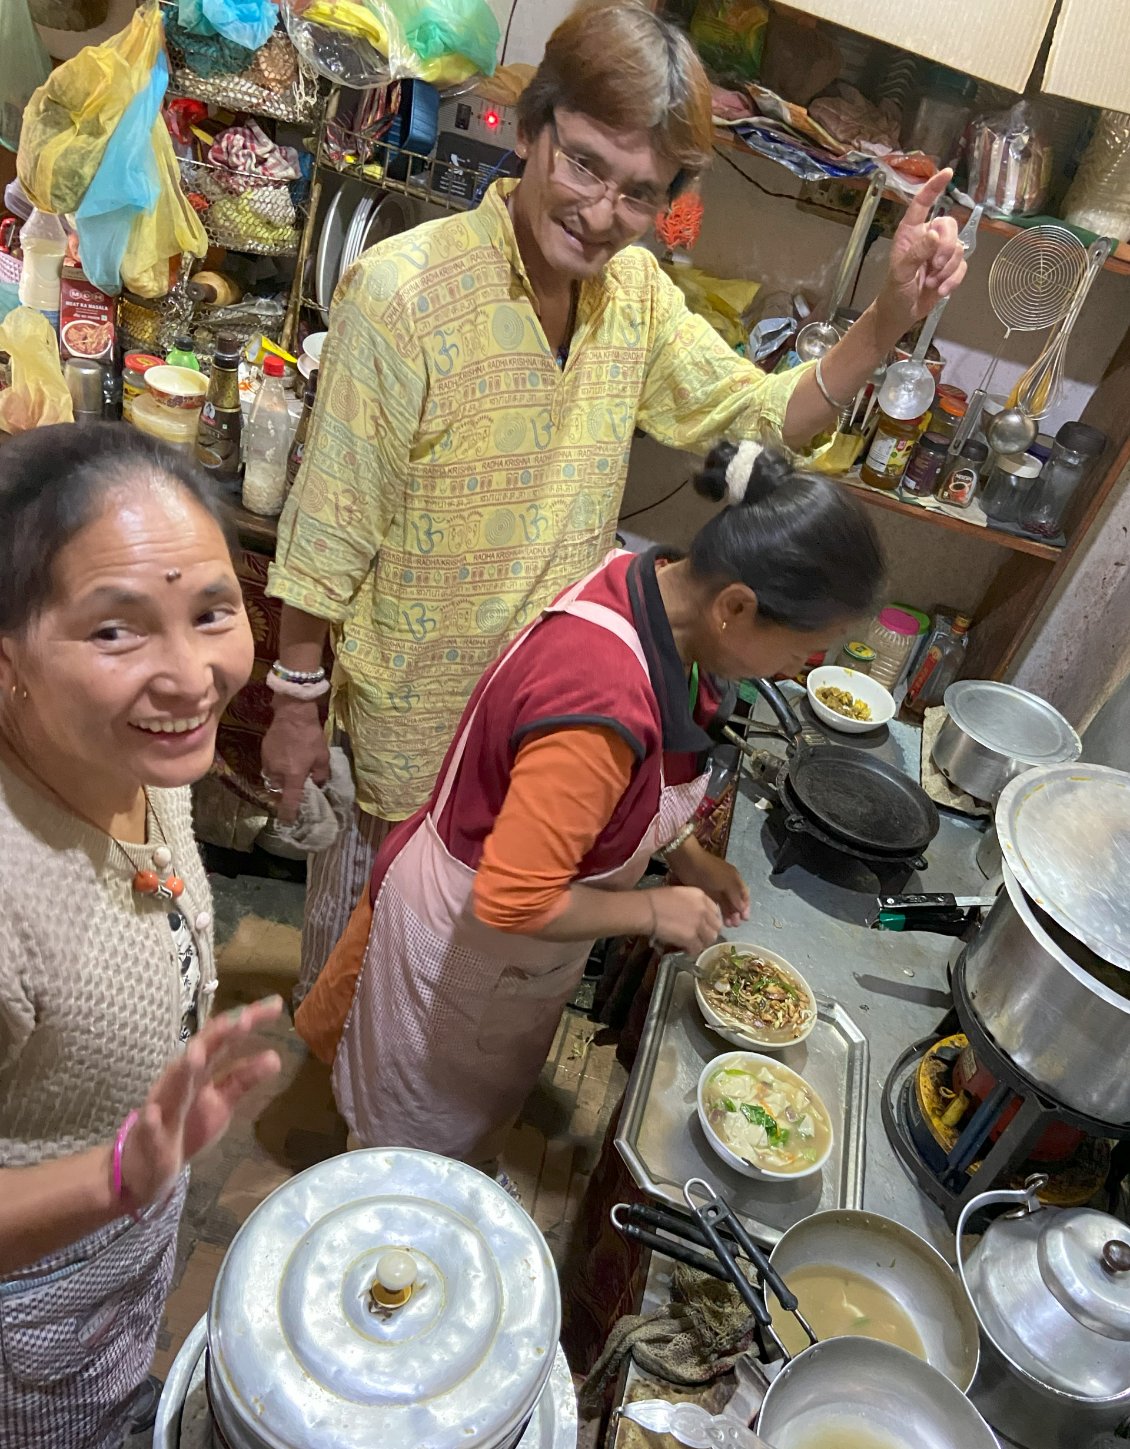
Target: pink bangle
[[121, 1192], [297, 691]]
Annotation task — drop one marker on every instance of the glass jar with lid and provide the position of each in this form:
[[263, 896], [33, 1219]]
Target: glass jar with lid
[[961, 476], [948, 412], [1005, 494], [1076, 447], [925, 466], [890, 451]]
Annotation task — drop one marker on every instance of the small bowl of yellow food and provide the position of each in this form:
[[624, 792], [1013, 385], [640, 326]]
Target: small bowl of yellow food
[[849, 701]]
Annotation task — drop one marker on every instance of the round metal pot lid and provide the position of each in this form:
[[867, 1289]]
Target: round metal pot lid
[[1014, 723], [302, 1355], [1084, 1259], [1065, 832]]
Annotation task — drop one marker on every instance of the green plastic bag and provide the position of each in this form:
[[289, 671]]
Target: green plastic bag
[[24, 69], [435, 28]]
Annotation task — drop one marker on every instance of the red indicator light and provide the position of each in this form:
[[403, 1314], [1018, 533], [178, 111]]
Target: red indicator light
[[492, 118]]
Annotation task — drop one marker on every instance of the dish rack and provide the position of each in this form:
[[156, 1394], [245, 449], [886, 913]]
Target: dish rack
[[244, 212]]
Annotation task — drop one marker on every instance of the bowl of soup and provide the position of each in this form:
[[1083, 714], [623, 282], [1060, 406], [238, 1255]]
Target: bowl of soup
[[763, 1118]]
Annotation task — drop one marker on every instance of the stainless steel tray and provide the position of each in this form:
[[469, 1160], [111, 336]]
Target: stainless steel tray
[[662, 1142]]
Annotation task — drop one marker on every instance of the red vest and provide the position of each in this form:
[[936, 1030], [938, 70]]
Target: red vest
[[565, 672]]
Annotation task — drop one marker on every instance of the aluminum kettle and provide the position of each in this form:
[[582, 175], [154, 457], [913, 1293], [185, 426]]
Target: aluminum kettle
[[1051, 1291]]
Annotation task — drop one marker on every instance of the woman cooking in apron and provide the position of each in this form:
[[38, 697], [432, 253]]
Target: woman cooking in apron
[[582, 752]]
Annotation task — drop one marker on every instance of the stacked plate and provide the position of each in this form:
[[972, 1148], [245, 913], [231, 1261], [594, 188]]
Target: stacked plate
[[356, 219]]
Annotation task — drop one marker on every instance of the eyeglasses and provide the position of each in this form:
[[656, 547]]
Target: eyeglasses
[[634, 206]]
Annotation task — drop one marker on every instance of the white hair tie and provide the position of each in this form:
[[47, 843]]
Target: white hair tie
[[740, 470]]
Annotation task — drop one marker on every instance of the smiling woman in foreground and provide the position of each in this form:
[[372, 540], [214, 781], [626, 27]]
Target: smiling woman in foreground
[[122, 639]]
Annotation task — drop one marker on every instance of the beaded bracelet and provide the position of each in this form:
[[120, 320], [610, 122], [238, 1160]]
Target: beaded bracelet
[[306, 692], [121, 1192], [667, 851], [297, 676]]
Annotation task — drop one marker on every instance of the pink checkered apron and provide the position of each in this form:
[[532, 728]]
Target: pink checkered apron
[[78, 1330], [452, 1020]]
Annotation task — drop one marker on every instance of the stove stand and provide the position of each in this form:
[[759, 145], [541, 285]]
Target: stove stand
[[945, 1177]]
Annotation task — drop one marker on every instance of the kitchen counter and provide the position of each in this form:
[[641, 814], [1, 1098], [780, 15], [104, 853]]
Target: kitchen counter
[[893, 984]]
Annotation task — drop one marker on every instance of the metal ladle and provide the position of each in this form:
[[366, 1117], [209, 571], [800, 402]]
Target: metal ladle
[[910, 384], [816, 338], [1011, 431]]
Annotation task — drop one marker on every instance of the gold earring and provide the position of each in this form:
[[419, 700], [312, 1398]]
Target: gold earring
[[724, 623], [22, 692]]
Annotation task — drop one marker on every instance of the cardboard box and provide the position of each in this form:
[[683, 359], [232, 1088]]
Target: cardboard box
[[994, 40], [1090, 56]]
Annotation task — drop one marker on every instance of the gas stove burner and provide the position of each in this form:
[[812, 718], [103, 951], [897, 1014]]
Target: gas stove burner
[[963, 1119]]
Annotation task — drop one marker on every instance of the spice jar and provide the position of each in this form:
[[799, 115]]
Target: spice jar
[[948, 412], [925, 466], [892, 635], [857, 655], [1006, 492], [962, 474], [890, 451], [134, 367], [1076, 447]]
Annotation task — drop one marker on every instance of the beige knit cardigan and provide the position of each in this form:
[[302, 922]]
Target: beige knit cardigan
[[90, 988]]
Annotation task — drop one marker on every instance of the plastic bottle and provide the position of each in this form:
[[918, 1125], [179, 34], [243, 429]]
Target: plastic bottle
[[940, 663], [267, 444], [893, 635], [183, 354], [298, 447], [43, 239], [1076, 447], [221, 418], [890, 451]]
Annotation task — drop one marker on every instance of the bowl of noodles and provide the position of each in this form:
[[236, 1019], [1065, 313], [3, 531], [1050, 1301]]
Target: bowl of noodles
[[753, 997], [762, 1118]]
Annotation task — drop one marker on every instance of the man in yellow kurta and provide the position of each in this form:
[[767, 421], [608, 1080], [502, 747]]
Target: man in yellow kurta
[[481, 383]]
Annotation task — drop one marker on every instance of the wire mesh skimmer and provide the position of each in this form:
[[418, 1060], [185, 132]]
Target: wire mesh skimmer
[[1032, 282]]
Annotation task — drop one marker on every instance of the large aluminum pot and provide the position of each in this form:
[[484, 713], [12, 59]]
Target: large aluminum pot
[[1052, 1005], [846, 1386], [387, 1297], [917, 1277], [994, 732]]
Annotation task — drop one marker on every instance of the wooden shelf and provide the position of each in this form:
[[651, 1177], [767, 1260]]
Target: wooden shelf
[[1118, 261], [893, 504]]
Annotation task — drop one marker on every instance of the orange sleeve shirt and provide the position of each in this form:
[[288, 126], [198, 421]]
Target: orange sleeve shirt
[[563, 790]]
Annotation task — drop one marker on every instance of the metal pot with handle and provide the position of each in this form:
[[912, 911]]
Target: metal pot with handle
[[1051, 1291], [993, 732]]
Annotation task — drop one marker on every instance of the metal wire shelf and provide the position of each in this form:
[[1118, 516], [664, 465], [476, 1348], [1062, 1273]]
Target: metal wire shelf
[[244, 212], [277, 83], [453, 183]]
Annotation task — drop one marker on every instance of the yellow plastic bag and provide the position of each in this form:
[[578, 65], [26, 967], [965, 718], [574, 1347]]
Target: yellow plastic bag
[[72, 115], [159, 237], [38, 395]]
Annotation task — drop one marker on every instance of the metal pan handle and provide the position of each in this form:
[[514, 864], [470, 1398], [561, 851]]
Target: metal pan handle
[[623, 1216], [786, 715]]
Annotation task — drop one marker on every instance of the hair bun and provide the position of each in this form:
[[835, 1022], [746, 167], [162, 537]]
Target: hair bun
[[739, 474], [769, 470]]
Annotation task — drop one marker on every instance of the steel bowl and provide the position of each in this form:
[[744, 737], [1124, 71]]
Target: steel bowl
[[856, 1384], [915, 1275]]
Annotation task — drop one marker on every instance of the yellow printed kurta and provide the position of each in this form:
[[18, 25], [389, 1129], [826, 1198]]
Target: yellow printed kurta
[[456, 479]]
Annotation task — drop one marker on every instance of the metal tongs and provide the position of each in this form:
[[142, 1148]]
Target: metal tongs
[[713, 1226]]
